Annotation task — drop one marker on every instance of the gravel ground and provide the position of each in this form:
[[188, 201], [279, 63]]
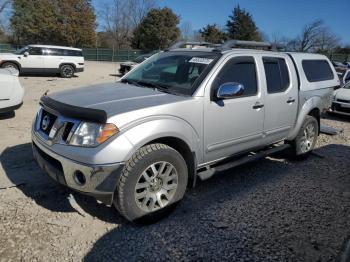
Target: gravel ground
[[271, 210]]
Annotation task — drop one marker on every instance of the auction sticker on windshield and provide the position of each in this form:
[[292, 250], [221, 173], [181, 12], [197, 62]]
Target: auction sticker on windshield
[[201, 60]]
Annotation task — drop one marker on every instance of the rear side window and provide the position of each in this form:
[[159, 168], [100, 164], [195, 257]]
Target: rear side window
[[241, 70], [317, 70], [277, 76], [62, 52]]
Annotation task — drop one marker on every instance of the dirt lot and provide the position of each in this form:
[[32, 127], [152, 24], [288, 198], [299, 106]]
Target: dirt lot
[[271, 210]]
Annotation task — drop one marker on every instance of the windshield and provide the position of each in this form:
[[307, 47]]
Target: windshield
[[175, 71], [21, 51]]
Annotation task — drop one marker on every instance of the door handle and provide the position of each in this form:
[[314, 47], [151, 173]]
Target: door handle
[[258, 106], [290, 100]]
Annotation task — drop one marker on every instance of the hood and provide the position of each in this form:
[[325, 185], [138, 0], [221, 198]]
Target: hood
[[343, 93], [115, 98], [7, 56]]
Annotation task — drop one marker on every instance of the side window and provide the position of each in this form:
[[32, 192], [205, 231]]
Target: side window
[[347, 77], [277, 76], [317, 70], [34, 51], [241, 70]]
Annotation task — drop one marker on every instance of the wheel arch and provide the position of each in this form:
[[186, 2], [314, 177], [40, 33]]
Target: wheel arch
[[67, 63], [13, 62], [185, 151], [311, 107]]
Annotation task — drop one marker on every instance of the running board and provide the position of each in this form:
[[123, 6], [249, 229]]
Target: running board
[[253, 156]]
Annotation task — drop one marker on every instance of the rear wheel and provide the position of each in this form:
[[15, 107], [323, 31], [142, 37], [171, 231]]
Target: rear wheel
[[306, 139], [153, 181], [67, 71], [10, 65]]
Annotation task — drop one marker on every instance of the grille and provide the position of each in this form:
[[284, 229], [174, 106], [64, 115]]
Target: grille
[[49, 121], [341, 109], [55, 128], [343, 101]]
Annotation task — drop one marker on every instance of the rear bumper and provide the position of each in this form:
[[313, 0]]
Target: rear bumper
[[100, 180], [79, 70], [11, 108]]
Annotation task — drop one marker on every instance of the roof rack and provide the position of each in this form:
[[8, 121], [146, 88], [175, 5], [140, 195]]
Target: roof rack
[[252, 44], [189, 44]]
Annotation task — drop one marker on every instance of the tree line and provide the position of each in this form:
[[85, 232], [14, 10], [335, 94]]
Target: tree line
[[139, 24]]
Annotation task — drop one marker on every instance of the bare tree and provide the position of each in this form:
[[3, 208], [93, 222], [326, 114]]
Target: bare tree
[[4, 4], [315, 37], [121, 17], [186, 31]]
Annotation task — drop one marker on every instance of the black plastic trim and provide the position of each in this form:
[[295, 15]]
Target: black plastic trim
[[11, 108], [81, 113]]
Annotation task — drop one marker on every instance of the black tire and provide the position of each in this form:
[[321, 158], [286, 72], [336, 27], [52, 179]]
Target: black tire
[[126, 200], [67, 71], [301, 147], [10, 65]]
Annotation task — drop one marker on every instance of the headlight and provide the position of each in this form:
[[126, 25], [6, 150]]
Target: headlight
[[92, 134]]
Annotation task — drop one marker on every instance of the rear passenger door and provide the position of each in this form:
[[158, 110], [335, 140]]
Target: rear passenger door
[[281, 97], [53, 58]]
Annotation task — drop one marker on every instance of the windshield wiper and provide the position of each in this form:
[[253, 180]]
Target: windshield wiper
[[155, 86]]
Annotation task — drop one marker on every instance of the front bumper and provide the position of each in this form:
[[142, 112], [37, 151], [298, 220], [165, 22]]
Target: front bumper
[[11, 108], [79, 69], [100, 180], [340, 108]]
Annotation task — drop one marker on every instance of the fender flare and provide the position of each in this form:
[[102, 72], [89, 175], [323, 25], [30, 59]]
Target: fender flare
[[11, 61], [309, 105], [162, 127]]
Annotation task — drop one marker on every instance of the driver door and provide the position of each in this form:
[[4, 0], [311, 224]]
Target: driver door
[[236, 124], [34, 61]]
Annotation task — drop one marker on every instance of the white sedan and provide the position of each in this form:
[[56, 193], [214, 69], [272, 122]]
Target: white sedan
[[341, 100], [11, 91]]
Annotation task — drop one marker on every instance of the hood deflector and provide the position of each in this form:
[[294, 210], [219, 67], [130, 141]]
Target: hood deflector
[[81, 113]]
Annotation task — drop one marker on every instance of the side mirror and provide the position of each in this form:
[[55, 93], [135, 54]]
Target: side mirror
[[26, 54], [230, 90]]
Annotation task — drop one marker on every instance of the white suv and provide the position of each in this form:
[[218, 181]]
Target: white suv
[[45, 59]]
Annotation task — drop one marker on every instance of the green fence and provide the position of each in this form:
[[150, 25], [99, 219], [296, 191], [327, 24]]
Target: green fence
[[92, 54], [104, 54], [100, 54]]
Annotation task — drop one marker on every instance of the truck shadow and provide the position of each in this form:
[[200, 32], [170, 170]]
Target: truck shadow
[[23, 172], [236, 213], [212, 214]]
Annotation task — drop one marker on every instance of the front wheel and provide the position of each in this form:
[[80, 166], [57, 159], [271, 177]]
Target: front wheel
[[67, 71], [306, 139], [10, 65], [152, 182]]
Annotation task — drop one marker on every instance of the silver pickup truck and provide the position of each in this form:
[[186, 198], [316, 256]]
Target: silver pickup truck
[[183, 114]]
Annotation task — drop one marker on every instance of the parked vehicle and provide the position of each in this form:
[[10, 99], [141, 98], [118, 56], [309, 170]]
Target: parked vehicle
[[345, 77], [341, 100], [126, 67], [180, 115], [42, 59], [11, 91]]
